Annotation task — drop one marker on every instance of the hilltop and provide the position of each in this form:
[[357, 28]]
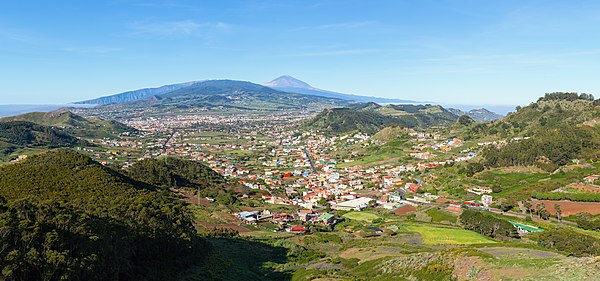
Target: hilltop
[[342, 120], [73, 123], [371, 117], [481, 114], [391, 133], [17, 137], [549, 133], [554, 110], [175, 172]]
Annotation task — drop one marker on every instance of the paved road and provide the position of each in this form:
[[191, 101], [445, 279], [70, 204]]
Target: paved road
[[310, 161]]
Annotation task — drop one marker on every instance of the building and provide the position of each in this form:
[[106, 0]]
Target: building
[[525, 229], [326, 218], [591, 179], [486, 200], [355, 204], [298, 229]]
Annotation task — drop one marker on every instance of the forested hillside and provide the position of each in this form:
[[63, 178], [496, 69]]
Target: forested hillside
[[175, 172], [73, 124], [17, 135], [549, 133], [370, 118], [65, 217]]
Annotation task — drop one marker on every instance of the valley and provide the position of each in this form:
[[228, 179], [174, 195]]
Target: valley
[[361, 202]]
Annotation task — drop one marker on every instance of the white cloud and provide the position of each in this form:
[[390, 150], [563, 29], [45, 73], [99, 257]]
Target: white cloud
[[176, 28]]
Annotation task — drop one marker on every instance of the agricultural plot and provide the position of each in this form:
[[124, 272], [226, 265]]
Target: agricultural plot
[[449, 236], [361, 216]]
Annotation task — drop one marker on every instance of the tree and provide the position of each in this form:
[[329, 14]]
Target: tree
[[488, 225], [322, 201], [539, 208], [527, 205], [558, 211], [505, 204], [465, 120]]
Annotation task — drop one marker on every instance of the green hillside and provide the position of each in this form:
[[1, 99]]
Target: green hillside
[[66, 217], [552, 111], [342, 120], [543, 133], [73, 123], [170, 172], [370, 118], [391, 133], [18, 136]]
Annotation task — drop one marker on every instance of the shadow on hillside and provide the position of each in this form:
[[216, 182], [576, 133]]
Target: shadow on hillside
[[241, 259]]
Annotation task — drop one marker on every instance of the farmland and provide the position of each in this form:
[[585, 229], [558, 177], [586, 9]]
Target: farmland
[[569, 207], [448, 236], [361, 216]]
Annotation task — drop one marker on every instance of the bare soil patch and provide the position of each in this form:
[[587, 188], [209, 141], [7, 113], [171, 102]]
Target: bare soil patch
[[569, 207]]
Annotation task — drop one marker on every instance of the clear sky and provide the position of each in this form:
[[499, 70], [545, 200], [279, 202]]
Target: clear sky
[[467, 52]]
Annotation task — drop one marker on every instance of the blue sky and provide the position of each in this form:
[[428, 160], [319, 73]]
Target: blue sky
[[462, 52]]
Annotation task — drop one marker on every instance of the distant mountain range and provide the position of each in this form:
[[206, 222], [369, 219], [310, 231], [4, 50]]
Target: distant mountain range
[[137, 95], [226, 95], [281, 93], [480, 114], [290, 84], [283, 84]]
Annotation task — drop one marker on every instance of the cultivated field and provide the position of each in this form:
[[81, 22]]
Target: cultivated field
[[570, 207], [439, 235], [361, 216]]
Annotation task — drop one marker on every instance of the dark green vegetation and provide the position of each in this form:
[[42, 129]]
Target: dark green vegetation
[[74, 124], [549, 133], [343, 120], [174, 172], [370, 118], [554, 110], [488, 225], [548, 149], [17, 135], [588, 221], [569, 241], [67, 217]]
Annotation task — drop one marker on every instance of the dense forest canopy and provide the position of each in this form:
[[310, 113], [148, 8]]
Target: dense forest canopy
[[65, 216], [175, 172]]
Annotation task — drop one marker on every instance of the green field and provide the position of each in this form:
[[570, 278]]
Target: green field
[[361, 216], [450, 236]]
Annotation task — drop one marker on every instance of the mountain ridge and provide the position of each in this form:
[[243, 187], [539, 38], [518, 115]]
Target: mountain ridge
[[370, 118], [290, 84], [478, 114], [72, 123]]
